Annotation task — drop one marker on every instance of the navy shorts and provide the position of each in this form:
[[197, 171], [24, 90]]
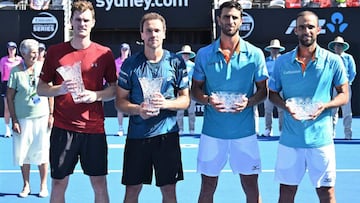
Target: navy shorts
[[3, 88], [67, 147], [161, 153]]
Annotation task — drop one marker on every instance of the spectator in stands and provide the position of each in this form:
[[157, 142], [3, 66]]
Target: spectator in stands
[[274, 48], [39, 4], [293, 3], [42, 52], [277, 4], [6, 64], [353, 3], [31, 117], [310, 4], [339, 3], [125, 52], [306, 145], [229, 64], [321, 3], [339, 46], [57, 4], [186, 53], [316, 3], [246, 4]]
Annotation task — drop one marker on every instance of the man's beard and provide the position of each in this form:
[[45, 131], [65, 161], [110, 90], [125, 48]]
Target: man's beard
[[229, 33], [307, 43]]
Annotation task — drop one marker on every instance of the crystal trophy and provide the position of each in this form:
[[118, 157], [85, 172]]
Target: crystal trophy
[[73, 73], [228, 99], [150, 86], [303, 108]]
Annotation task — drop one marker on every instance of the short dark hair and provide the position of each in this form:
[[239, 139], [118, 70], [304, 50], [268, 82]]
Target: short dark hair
[[305, 13], [231, 4], [152, 16]]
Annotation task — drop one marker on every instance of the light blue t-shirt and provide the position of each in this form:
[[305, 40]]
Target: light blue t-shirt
[[239, 75], [350, 66], [270, 64], [316, 82], [190, 69], [173, 71]]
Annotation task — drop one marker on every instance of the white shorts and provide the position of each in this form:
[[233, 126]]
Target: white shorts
[[243, 155], [291, 165], [32, 145]]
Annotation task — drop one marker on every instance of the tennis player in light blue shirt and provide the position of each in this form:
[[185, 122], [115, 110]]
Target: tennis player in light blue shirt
[[246, 66], [322, 74], [306, 143], [229, 64]]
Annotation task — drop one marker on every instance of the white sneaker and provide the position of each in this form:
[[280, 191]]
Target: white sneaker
[[44, 193], [267, 133], [7, 131], [180, 132], [121, 131], [25, 193], [192, 132]]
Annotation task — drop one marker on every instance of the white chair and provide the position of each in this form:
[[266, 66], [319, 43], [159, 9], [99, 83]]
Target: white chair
[[21, 5], [246, 4], [57, 4], [277, 4]]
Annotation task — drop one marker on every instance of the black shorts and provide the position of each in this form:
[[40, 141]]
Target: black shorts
[[66, 147], [3, 88], [161, 153]]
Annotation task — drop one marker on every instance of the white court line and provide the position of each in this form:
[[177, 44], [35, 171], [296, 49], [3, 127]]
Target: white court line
[[121, 146], [185, 171]]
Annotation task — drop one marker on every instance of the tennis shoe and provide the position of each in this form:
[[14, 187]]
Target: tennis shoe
[[267, 133], [44, 193], [25, 193], [7, 131]]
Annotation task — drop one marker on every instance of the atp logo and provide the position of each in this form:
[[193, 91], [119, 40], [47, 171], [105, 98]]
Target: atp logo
[[337, 24]]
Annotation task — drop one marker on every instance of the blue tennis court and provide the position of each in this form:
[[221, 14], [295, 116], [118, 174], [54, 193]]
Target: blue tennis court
[[228, 191]]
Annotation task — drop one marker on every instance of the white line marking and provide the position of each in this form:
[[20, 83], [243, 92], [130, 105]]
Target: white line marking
[[121, 146], [185, 171]]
